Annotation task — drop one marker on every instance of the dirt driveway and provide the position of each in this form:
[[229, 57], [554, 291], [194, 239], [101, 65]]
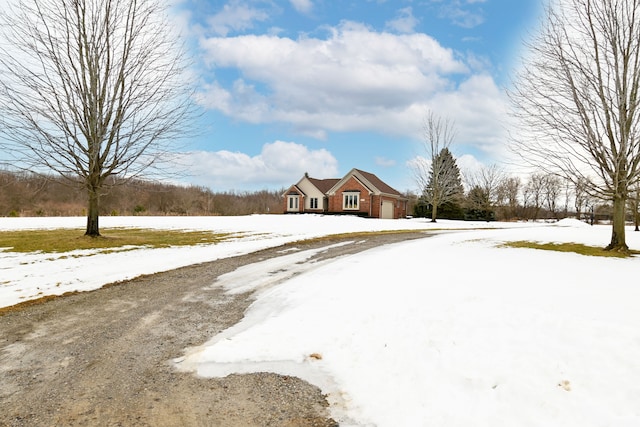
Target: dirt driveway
[[103, 358]]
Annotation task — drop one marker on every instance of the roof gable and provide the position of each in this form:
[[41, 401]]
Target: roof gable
[[379, 184], [369, 180], [293, 190]]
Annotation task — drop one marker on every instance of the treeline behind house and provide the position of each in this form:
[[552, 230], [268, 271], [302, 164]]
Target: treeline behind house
[[27, 194]]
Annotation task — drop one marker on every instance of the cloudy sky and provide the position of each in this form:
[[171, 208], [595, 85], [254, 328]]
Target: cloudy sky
[[323, 86]]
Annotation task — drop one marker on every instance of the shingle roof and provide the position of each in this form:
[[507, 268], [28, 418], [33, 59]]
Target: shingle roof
[[324, 185], [378, 183]]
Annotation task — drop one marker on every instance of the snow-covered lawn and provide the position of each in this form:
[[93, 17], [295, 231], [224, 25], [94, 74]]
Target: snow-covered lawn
[[29, 276], [452, 330]]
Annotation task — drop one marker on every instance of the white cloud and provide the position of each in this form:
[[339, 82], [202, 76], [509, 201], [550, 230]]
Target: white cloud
[[279, 164], [302, 6], [384, 162], [356, 79], [235, 16], [215, 97], [479, 109], [459, 13], [405, 22], [469, 165]]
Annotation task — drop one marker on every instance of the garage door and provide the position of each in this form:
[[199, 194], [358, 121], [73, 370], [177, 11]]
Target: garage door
[[387, 209]]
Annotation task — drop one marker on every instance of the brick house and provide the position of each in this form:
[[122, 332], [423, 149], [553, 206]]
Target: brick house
[[308, 195], [357, 193]]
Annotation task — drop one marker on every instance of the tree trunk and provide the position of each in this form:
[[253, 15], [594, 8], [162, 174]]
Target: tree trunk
[[618, 241], [434, 212], [92, 215]]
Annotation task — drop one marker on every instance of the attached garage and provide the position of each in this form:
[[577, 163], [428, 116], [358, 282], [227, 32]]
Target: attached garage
[[387, 209]]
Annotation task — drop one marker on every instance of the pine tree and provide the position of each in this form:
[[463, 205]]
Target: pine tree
[[444, 184]]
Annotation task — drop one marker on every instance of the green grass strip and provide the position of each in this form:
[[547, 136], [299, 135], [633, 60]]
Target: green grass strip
[[66, 240], [568, 247]]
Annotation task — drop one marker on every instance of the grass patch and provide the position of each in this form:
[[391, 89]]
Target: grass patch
[[66, 240], [568, 247]]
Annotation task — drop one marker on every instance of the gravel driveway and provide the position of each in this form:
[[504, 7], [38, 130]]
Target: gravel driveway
[[103, 358]]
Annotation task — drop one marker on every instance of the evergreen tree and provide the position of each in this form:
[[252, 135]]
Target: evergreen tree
[[479, 205], [445, 184]]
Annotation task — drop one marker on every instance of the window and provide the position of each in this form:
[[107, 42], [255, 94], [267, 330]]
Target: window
[[351, 201], [293, 203], [313, 203]]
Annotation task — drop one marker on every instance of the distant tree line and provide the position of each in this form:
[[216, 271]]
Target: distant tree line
[[492, 195], [28, 194]]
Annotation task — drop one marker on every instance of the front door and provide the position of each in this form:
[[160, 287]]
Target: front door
[[293, 203]]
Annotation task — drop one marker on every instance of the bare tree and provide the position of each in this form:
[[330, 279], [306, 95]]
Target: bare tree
[[634, 206], [508, 192], [439, 178], [581, 199], [552, 187], [91, 89], [567, 192], [489, 180], [577, 98], [534, 193]]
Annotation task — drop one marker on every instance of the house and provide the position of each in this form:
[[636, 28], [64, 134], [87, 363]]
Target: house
[[309, 195], [357, 193]]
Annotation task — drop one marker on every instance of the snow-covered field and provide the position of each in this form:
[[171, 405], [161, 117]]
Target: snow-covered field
[[34, 275], [452, 330]]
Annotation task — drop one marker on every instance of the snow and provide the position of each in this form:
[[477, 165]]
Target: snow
[[30, 276], [450, 330]]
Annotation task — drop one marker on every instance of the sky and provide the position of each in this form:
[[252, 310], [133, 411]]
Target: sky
[[520, 337], [319, 86]]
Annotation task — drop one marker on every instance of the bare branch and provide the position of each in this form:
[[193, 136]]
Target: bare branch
[[92, 89], [440, 177], [576, 99]]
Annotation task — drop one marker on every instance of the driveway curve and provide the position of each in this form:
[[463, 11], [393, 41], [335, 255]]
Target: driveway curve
[[103, 358]]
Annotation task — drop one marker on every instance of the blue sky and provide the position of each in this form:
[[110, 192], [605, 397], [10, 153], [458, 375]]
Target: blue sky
[[323, 86]]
